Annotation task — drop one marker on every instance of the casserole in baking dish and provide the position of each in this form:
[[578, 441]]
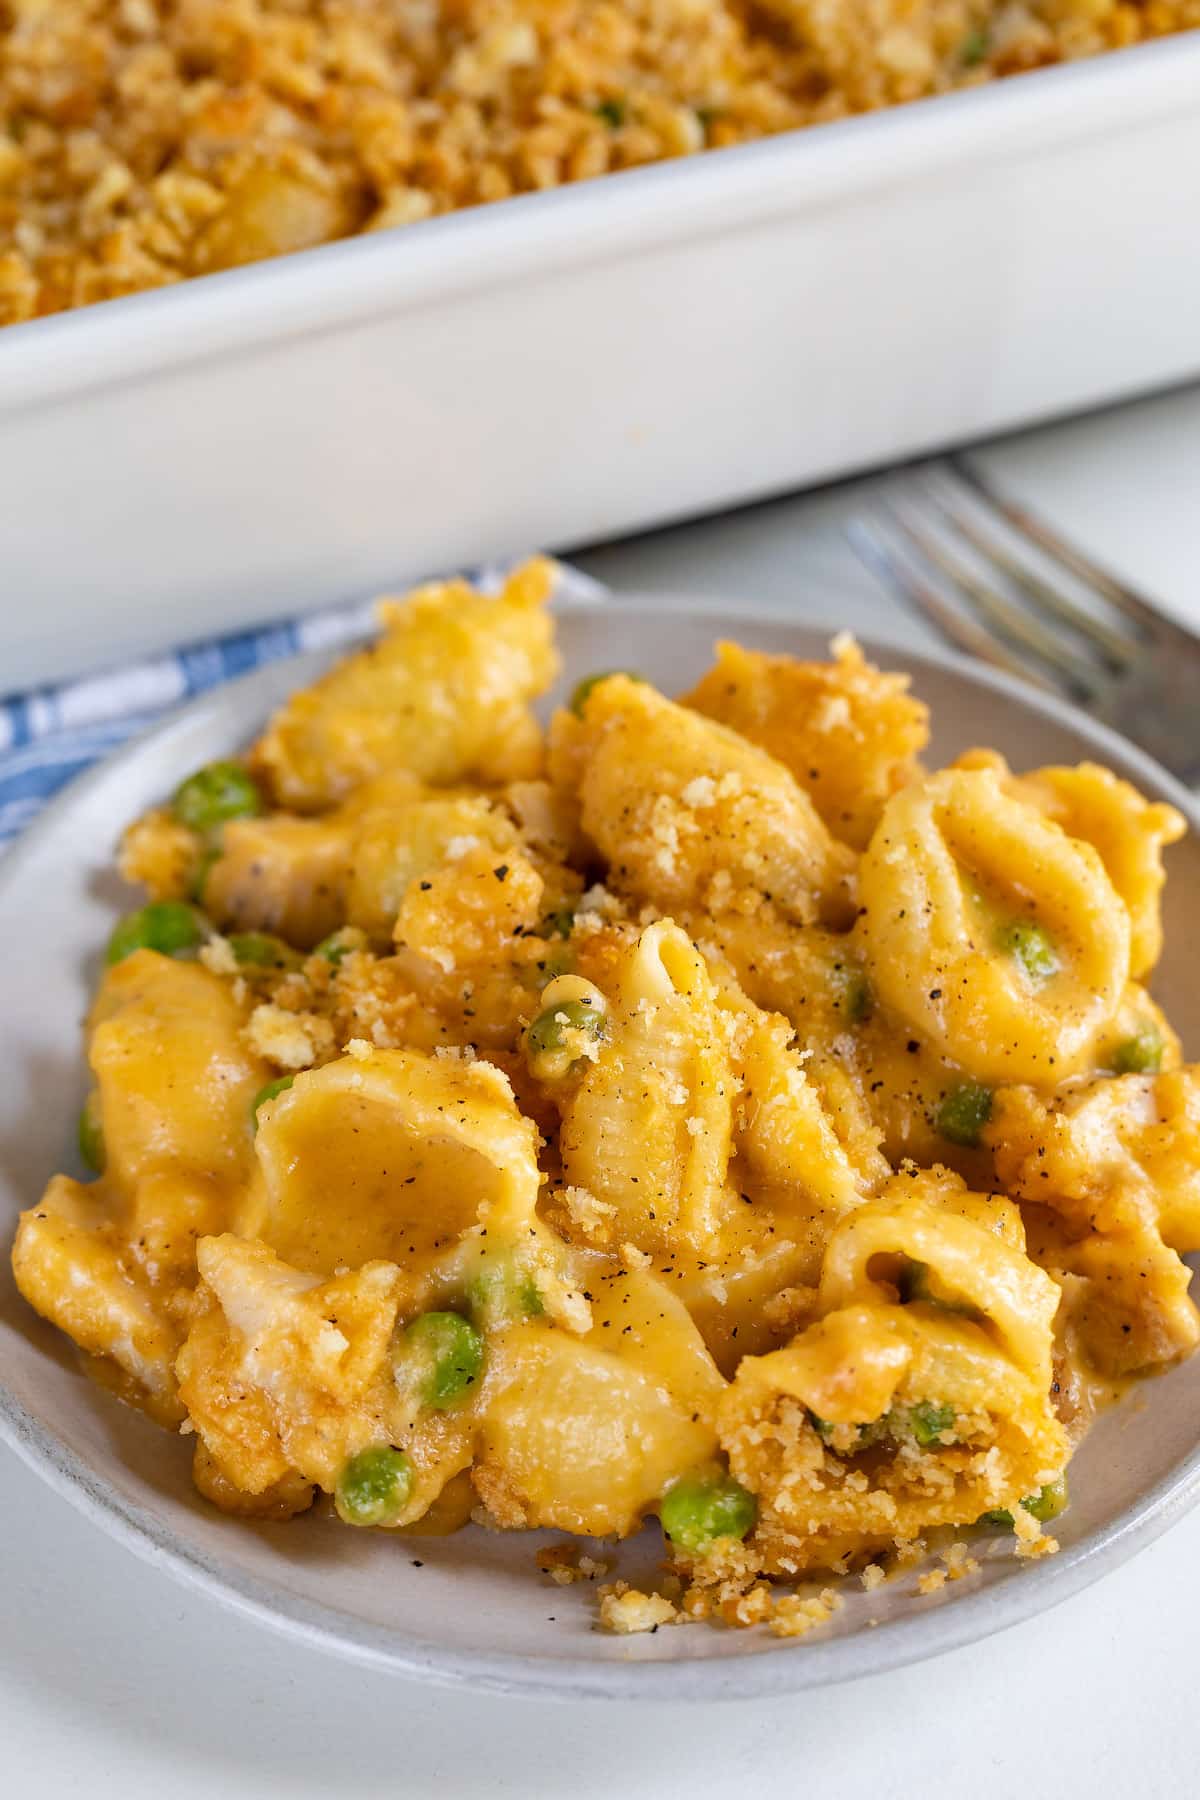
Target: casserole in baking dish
[[143, 141], [582, 362]]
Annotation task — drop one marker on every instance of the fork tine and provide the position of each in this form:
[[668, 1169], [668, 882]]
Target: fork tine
[[1125, 599], [1117, 647], [1012, 622], [960, 628]]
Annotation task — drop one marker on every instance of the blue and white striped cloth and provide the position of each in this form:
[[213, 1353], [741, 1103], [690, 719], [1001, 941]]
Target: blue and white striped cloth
[[49, 736]]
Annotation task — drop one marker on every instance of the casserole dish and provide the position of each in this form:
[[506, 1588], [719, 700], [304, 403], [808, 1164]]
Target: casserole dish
[[573, 365]]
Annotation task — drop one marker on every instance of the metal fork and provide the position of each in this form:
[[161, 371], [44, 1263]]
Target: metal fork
[[997, 582]]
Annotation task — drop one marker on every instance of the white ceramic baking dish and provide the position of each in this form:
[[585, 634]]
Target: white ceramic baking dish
[[567, 366]]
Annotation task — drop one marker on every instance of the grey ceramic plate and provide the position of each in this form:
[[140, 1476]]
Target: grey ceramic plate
[[475, 1610]]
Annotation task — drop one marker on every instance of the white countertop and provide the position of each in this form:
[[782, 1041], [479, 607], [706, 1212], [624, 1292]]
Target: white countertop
[[116, 1681]]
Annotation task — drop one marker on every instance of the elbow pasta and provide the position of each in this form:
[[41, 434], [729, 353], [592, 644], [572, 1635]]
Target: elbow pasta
[[698, 1111]]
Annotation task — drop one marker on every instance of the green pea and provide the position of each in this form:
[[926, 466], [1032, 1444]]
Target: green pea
[[528, 1300], [374, 1487], [448, 1351], [558, 922], [583, 692], [612, 112], [855, 999], [825, 1429], [279, 1086], [695, 1511], [964, 1112], [336, 946], [914, 1282], [548, 968], [91, 1134], [1049, 1501], [1140, 1054], [208, 856], [169, 926], [917, 1281], [928, 1420], [974, 48], [501, 1292], [1045, 1505], [220, 791], [1033, 948], [259, 950], [548, 1031], [859, 1000]]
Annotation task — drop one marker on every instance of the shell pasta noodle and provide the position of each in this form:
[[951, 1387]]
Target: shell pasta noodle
[[691, 1113]]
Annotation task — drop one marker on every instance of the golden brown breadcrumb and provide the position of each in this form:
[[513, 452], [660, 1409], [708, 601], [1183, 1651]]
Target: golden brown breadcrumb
[[146, 141]]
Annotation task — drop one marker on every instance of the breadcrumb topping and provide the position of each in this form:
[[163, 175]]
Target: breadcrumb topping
[[627, 1610], [290, 1040], [217, 955], [568, 1563], [796, 1615], [143, 142]]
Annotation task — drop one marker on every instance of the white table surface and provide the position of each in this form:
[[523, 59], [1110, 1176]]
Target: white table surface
[[116, 1681]]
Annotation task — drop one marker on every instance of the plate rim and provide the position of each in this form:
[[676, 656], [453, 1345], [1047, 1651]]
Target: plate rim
[[783, 1669]]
